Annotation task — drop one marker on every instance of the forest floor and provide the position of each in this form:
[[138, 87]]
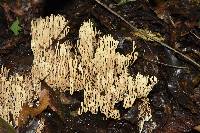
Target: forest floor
[[174, 59]]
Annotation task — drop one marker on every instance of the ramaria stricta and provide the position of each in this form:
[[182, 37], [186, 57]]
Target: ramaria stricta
[[94, 67]]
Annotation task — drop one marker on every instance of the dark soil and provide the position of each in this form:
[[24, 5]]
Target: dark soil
[[175, 99]]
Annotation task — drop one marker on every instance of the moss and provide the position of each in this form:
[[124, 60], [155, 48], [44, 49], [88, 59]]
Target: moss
[[5, 127]]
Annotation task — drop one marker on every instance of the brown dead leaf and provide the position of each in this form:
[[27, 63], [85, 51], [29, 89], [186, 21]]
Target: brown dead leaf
[[46, 99]]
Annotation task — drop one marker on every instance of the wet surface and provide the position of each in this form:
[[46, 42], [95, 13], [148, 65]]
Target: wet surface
[[175, 99]]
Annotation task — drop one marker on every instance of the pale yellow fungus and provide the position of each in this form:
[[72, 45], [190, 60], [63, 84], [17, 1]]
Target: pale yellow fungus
[[98, 70]]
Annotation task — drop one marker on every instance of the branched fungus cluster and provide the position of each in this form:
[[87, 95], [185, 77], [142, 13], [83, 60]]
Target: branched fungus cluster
[[94, 67]]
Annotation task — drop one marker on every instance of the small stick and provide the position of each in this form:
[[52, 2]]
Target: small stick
[[116, 14], [164, 64], [195, 35], [136, 30]]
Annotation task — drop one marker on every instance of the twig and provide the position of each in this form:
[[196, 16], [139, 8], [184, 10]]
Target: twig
[[167, 65], [195, 35], [137, 30], [116, 14]]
